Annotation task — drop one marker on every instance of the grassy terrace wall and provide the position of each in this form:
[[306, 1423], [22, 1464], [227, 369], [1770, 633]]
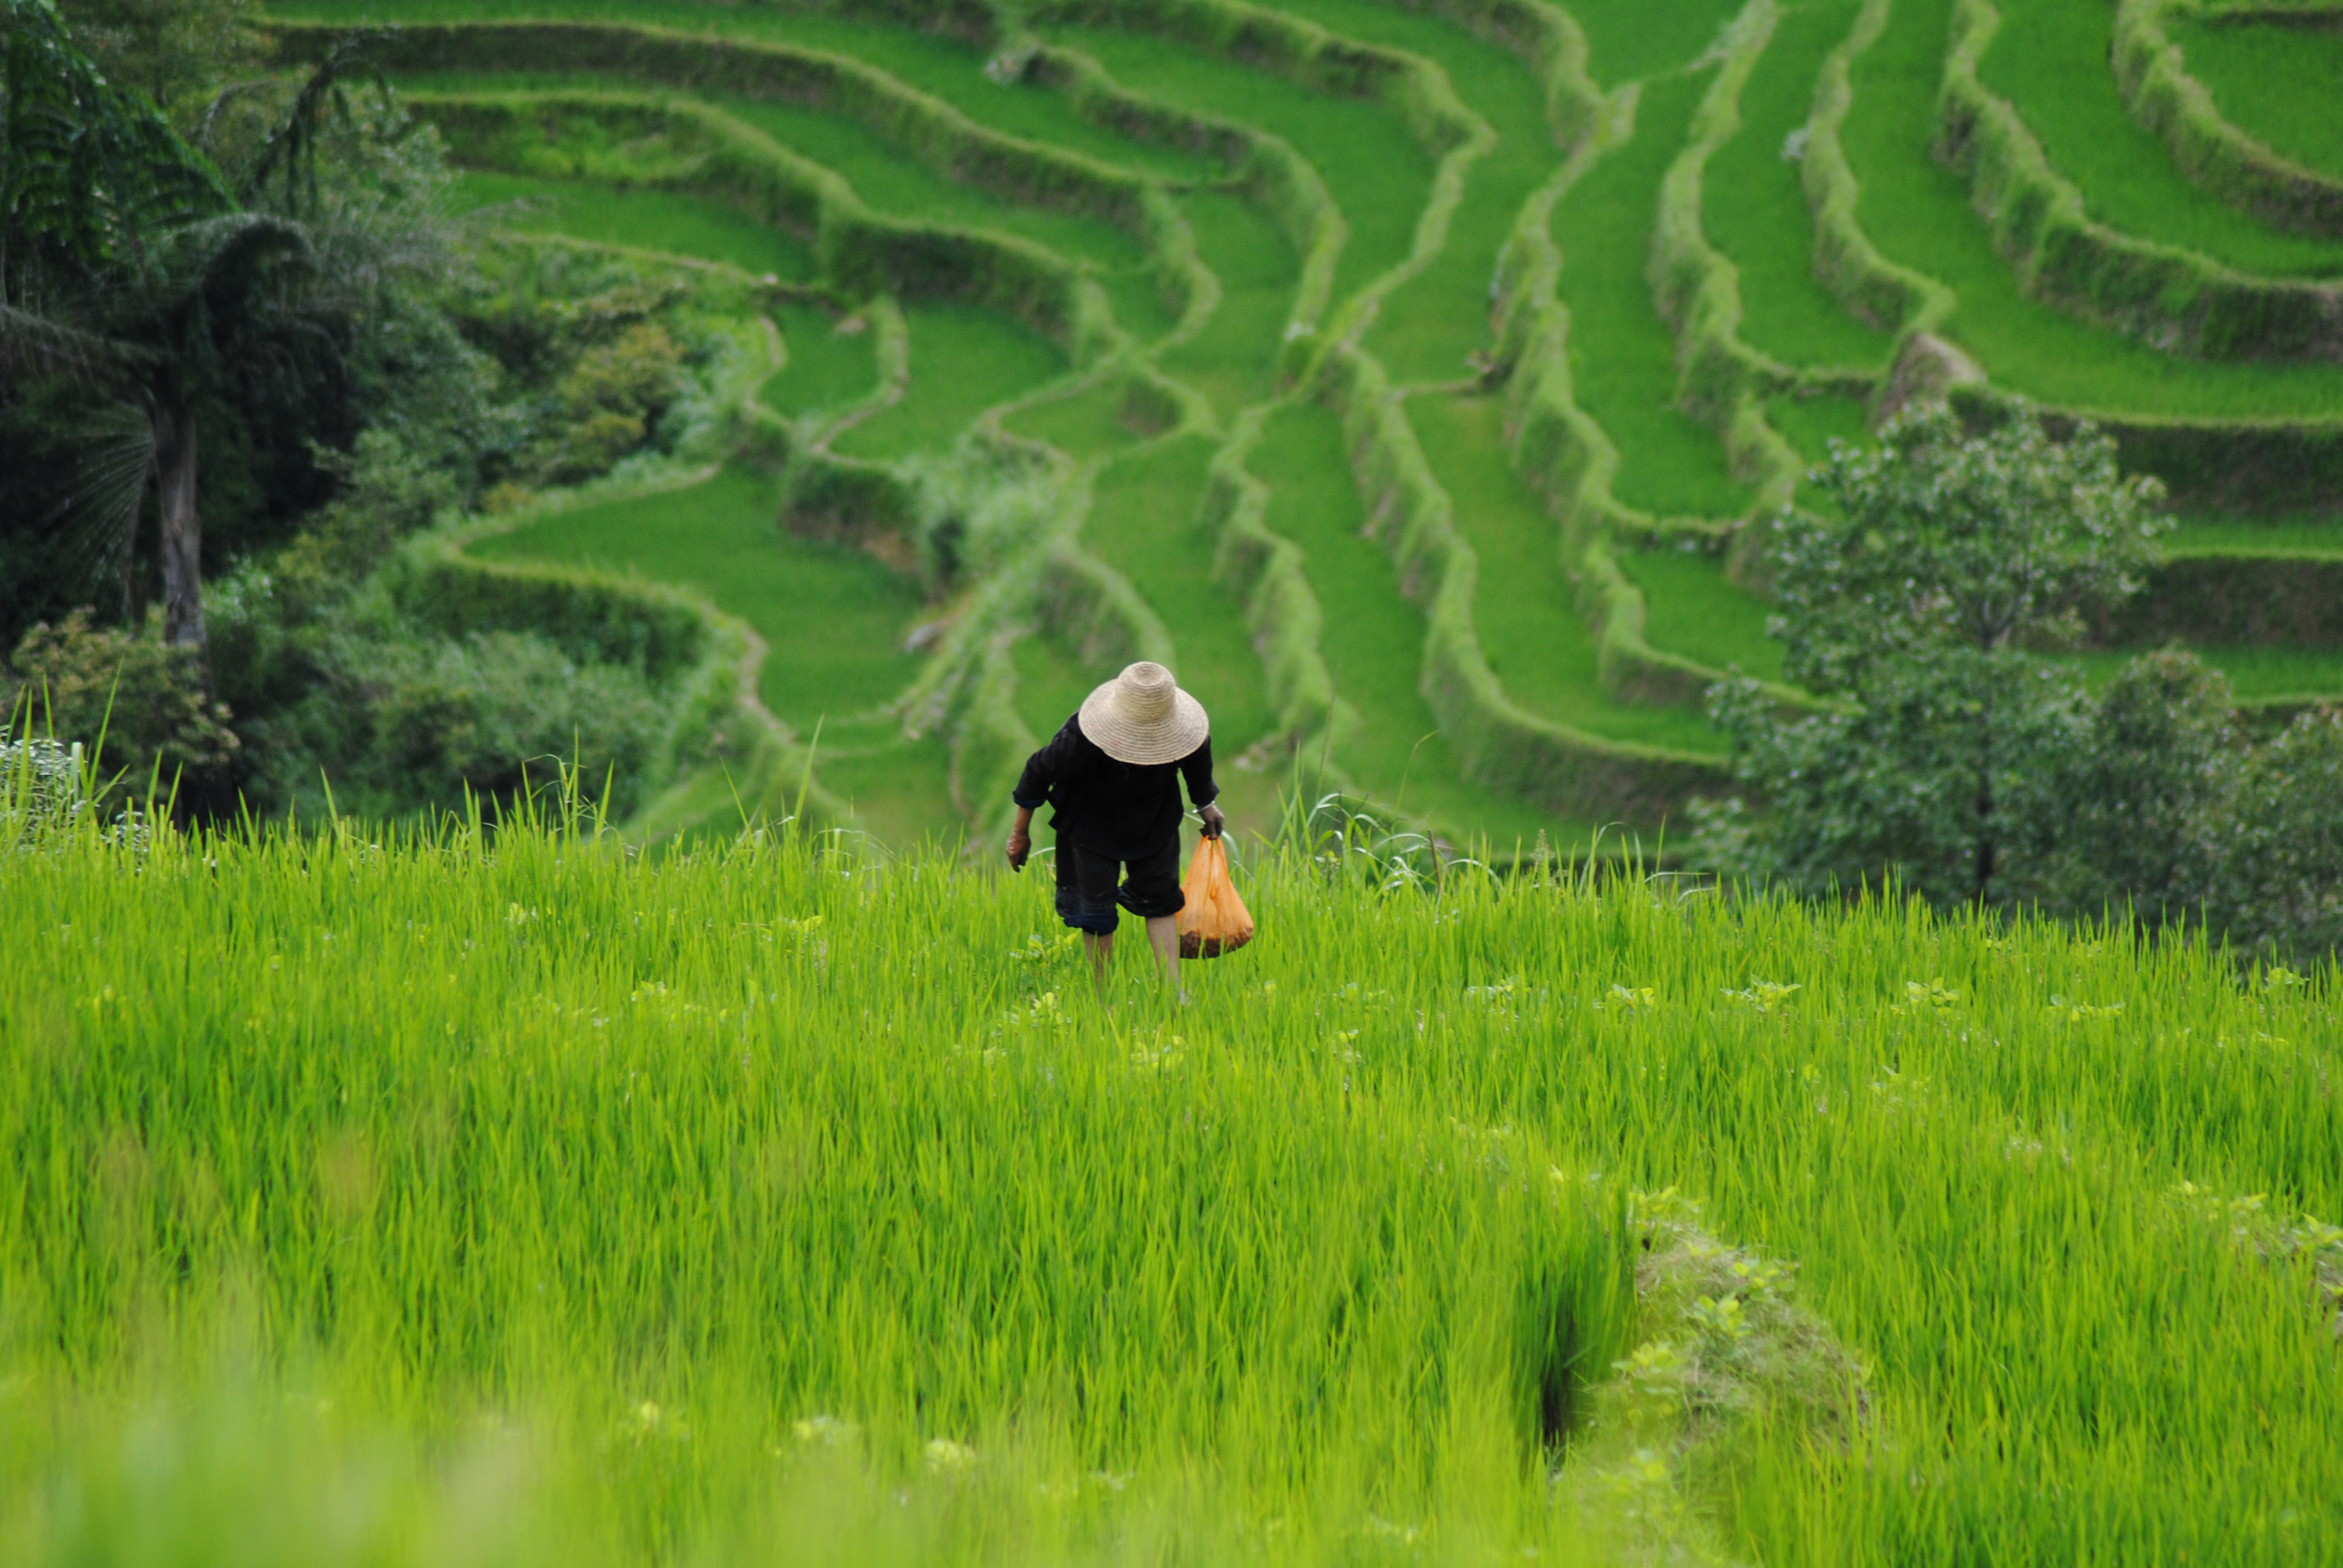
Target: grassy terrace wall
[[2219, 465], [1890, 297], [2237, 601], [2219, 156], [861, 252], [1502, 744], [1724, 382], [2175, 300]]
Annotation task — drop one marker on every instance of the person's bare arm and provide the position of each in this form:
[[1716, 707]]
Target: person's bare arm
[[1020, 839]]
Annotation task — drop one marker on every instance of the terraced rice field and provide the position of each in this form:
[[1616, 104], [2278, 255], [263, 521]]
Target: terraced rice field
[[1234, 284]]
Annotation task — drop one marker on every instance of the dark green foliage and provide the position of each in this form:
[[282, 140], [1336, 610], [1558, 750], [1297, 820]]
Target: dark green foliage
[[170, 50], [2126, 798], [1938, 541], [2272, 877], [1916, 606], [2216, 600], [137, 703]]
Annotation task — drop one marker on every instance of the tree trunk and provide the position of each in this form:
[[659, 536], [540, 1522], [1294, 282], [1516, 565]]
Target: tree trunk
[[183, 530]]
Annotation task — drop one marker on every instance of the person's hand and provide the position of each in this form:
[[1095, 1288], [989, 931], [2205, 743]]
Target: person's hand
[[1020, 844], [1213, 821]]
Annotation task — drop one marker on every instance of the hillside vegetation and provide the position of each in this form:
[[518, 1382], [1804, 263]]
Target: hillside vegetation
[[438, 1198], [1584, 294]]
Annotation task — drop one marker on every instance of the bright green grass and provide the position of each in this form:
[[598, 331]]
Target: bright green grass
[[832, 616], [827, 368], [666, 221], [1373, 640], [2306, 536], [1427, 328], [2278, 84], [1378, 174], [1143, 523], [1622, 358], [964, 360], [2255, 673], [1525, 606], [934, 63], [1088, 424], [1917, 212], [898, 790], [513, 1202], [1754, 206], [1233, 359], [1692, 608], [1629, 40], [2050, 59], [1808, 424]]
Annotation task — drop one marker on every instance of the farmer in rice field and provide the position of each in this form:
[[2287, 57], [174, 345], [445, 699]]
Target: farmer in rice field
[[1108, 774]]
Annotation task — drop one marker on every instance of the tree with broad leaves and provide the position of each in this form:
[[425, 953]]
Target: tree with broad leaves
[[129, 263], [1917, 608]]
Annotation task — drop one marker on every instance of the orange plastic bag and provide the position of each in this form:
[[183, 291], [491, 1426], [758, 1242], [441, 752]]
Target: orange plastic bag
[[1214, 921]]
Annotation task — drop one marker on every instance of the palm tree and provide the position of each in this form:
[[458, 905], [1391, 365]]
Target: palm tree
[[129, 263]]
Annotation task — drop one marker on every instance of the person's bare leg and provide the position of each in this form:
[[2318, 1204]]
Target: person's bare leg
[[1102, 952], [1163, 936]]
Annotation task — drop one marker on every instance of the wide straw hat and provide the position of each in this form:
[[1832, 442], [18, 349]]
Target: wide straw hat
[[1142, 716]]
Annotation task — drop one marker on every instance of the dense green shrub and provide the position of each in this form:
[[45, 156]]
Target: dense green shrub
[[138, 703], [1916, 606], [2271, 871], [2122, 801]]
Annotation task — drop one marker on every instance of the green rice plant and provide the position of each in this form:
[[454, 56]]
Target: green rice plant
[[829, 366], [1373, 640], [1092, 422], [1809, 424], [1378, 173], [1233, 359], [1622, 358], [508, 1199], [1527, 610], [2255, 674], [2049, 58], [1916, 211], [1721, 380], [1051, 683], [1627, 42], [2175, 298], [2275, 83], [2152, 72], [964, 360], [2277, 535], [832, 616], [893, 184], [1693, 610], [1146, 520], [949, 66], [656, 220], [1752, 210], [1430, 327]]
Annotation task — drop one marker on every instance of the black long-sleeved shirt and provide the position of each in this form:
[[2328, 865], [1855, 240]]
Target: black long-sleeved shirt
[[1121, 808]]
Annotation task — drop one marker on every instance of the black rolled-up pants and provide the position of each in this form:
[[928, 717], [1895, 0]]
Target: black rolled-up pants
[[1092, 886]]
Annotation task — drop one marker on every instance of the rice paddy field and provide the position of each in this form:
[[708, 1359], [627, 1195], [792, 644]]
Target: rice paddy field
[[513, 1196], [1204, 235]]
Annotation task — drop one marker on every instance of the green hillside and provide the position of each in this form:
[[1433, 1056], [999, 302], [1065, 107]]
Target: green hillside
[[1402, 374]]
